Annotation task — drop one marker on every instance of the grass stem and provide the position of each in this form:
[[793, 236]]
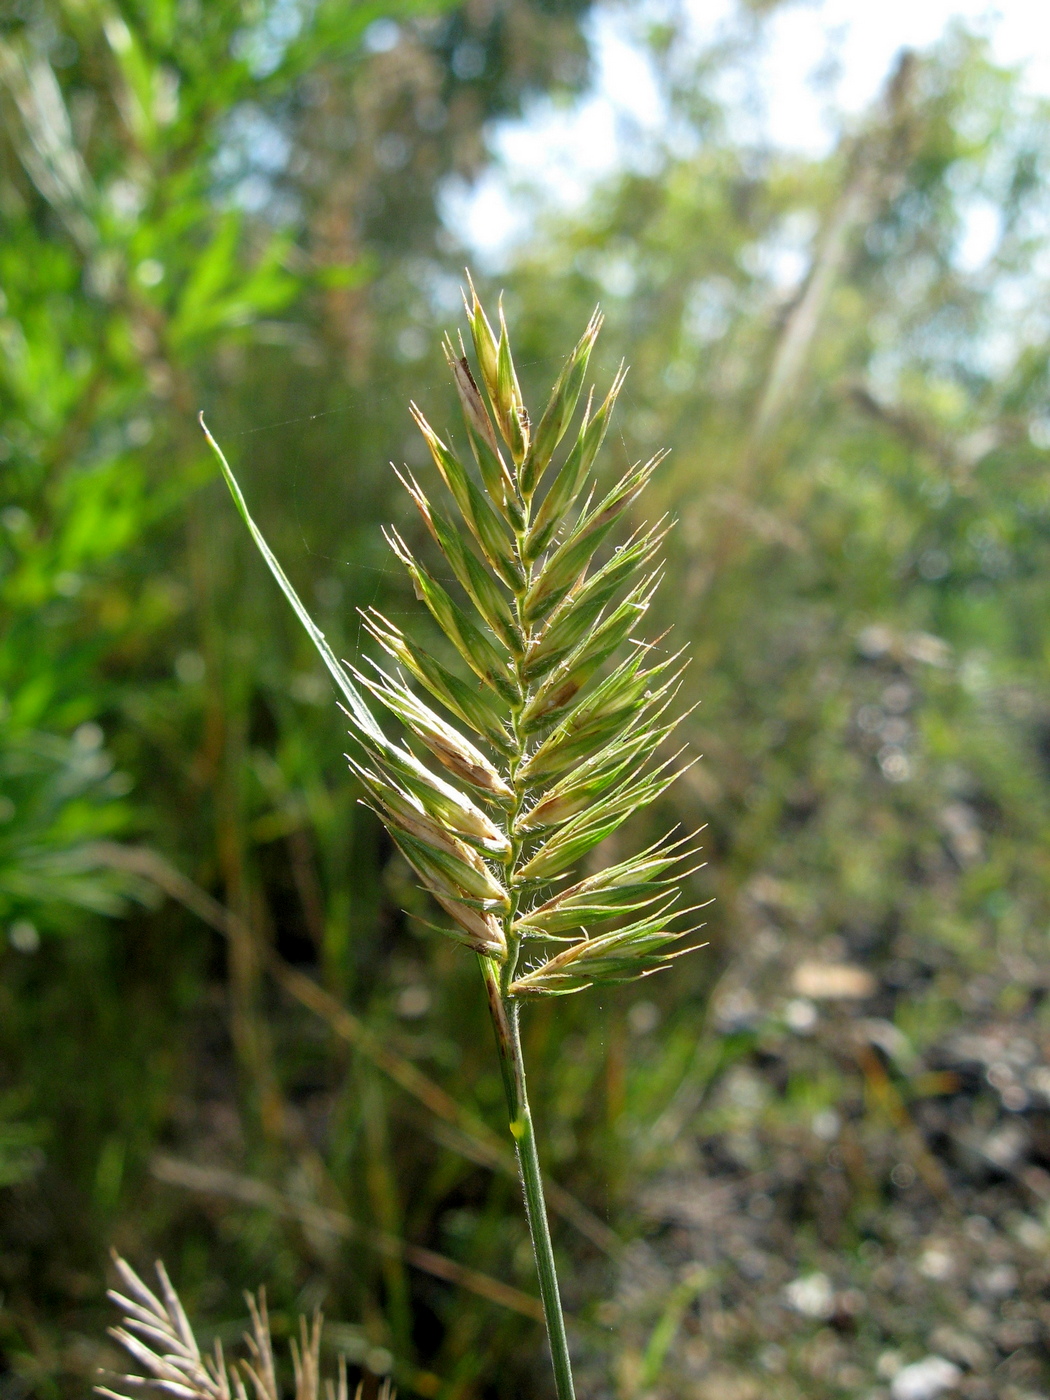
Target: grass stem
[[506, 1023]]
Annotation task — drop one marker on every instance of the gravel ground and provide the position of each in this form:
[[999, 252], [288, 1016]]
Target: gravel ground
[[843, 1216]]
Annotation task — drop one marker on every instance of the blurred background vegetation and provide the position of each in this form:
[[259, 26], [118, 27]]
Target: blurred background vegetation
[[815, 1158]]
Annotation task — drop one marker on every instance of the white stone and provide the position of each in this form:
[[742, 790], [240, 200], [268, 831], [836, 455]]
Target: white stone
[[925, 1379], [811, 1295]]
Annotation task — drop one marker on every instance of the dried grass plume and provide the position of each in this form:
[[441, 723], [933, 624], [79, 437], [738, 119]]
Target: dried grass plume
[[156, 1332]]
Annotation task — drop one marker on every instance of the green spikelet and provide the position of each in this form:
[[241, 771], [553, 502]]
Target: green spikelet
[[566, 740]]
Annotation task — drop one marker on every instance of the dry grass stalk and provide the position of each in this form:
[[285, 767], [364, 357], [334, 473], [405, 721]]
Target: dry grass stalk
[[157, 1334]]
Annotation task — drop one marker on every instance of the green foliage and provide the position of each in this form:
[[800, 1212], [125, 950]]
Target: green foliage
[[59, 798], [20, 1143]]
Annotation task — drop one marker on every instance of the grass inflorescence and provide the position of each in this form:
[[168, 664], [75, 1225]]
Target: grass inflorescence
[[555, 712]]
